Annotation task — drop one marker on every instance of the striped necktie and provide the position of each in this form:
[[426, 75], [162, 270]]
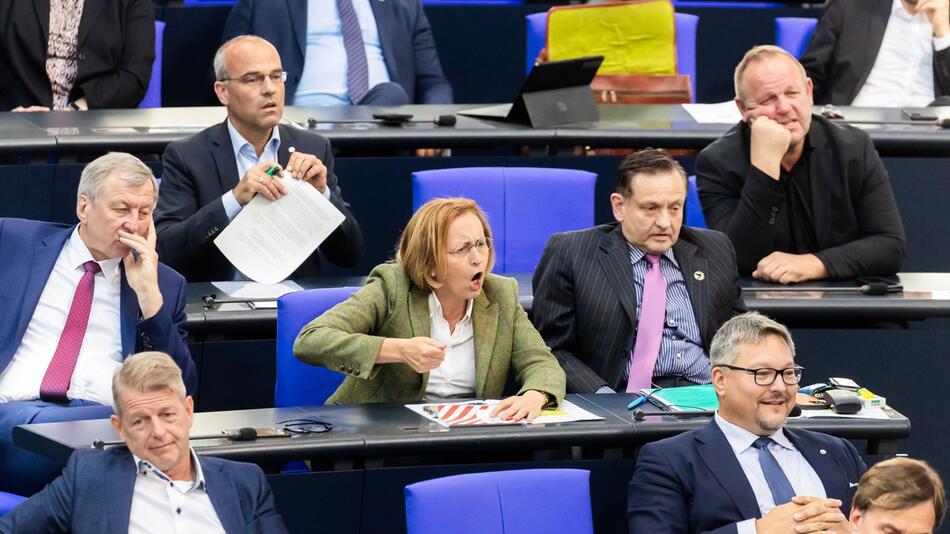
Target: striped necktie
[[357, 72]]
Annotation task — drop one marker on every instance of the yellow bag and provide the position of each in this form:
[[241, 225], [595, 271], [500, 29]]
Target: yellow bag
[[635, 37]]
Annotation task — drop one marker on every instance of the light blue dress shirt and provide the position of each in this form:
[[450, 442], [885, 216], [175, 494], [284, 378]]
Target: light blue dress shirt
[[246, 157], [323, 80], [800, 473]]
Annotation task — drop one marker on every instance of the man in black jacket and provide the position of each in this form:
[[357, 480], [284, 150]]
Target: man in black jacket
[[208, 178], [801, 198], [880, 53]]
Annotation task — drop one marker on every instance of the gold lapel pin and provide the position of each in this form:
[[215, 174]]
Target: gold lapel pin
[[699, 275]]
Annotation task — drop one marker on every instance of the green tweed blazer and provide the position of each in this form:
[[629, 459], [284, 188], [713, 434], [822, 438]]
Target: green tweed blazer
[[348, 337]]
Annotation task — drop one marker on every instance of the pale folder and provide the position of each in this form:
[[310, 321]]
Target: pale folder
[[268, 240]]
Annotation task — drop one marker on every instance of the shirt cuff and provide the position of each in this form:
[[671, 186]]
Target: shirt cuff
[[326, 193], [231, 206], [940, 43], [604, 389], [746, 527]]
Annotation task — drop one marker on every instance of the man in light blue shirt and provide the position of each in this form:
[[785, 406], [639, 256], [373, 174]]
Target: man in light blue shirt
[[744, 472], [400, 56], [209, 177]]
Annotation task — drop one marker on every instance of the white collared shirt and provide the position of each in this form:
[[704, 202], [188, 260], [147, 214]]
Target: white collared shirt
[[455, 378], [800, 473], [902, 74], [101, 352], [161, 505]]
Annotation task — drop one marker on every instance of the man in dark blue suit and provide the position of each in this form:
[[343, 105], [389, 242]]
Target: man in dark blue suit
[[743, 472], [401, 60], [77, 300], [208, 178], [156, 483]]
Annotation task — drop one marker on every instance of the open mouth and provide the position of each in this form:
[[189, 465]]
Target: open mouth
[[477, 277]]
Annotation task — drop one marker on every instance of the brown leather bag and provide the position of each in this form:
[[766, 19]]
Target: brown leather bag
[[641, 89]]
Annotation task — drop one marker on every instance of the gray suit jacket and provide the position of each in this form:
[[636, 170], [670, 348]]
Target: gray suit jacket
[[585, 301]]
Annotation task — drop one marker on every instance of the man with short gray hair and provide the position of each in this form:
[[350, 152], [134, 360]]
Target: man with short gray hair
[[744, 472], [156, 483], [801, 197], [81, 298]]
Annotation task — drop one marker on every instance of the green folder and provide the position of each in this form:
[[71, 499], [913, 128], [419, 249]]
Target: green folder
[[688, 398]]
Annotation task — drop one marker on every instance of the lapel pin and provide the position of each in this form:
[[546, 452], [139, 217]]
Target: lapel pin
[[699, 275], [822, 451]]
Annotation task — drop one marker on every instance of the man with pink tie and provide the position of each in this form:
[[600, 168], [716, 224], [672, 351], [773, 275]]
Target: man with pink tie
[[635, 303], [78, 300]]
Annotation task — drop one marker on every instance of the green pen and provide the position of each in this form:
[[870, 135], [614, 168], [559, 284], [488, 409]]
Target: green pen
[[272, 171]]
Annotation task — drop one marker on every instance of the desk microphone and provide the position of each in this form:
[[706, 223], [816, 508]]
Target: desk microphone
[[640, 416], [943, 124], [241, 434]]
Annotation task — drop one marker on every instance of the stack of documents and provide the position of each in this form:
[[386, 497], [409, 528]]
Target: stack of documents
[[478, 413]]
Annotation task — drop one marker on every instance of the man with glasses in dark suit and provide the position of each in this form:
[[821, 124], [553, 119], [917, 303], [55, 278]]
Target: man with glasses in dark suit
[[208, 178], [635, 303], [744, 472]]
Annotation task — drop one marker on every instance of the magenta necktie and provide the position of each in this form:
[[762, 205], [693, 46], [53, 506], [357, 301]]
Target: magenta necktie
[[357, 72], [60, 371], [649, 328]]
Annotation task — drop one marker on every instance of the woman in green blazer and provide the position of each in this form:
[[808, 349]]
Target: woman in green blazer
[[435, 324]]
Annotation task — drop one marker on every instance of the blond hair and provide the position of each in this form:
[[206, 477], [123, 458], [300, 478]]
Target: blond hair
[[900, 483], [759, 53], [422, 249], [146, 372]]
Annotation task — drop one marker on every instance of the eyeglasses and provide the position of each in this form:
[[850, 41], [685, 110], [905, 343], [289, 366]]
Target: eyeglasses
[[482, 245], [256, 79], [765, 376]]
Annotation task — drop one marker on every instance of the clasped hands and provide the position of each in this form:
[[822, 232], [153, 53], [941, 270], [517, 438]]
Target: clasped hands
[[805, 515], [424, 354], [300, 167]]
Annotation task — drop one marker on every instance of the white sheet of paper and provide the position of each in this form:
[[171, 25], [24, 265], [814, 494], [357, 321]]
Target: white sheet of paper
[[268, 240], [566, 412], [721, 113], [255, 290]]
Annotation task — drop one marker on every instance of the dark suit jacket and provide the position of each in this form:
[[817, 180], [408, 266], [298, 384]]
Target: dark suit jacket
[[116, 49], [94, 495], [693, 482], [198, 170], [585, 301], [845, 45], [404, 33], [36, 245], [857, 225]]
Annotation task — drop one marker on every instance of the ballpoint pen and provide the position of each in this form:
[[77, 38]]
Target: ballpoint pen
[[637, 402]]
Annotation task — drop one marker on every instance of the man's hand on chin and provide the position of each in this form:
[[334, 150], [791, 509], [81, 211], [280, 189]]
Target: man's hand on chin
[[141, 269], [769, 143], [785, 268]]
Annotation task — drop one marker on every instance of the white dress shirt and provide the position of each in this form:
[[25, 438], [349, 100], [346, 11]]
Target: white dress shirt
[[164, 506], [101, 352], [323, 80], [455, 378], [800, 473], [902, 74]]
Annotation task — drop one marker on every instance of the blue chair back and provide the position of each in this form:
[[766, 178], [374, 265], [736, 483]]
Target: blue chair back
[[536, 29], [694, 210], [502, 502], [298, 383], [8, 502], [194, 3], [793, 33], [153, 96], [524, 205]]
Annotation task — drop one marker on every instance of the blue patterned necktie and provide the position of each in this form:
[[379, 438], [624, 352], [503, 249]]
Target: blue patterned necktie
[[779, 485], [357, 72]]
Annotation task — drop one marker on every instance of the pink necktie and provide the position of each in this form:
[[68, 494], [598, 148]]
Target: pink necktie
[[60, 371], [649, 328]]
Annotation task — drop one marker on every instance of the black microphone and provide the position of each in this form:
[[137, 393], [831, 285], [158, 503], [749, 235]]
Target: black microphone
[[389, 120], [945, 124], [640, 415], [876, 288], [242, 434]]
